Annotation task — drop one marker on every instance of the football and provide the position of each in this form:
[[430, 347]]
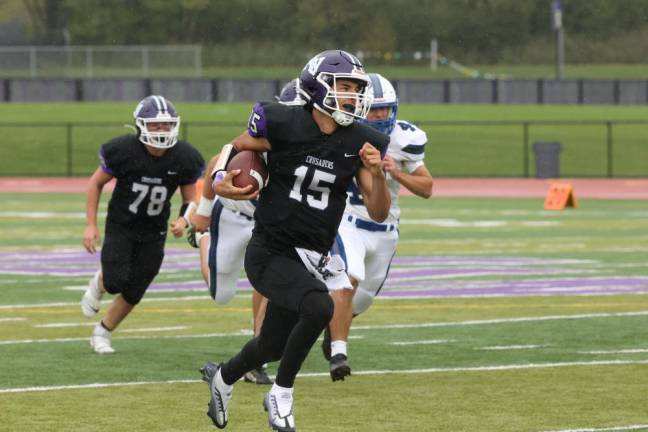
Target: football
[[253, 169]]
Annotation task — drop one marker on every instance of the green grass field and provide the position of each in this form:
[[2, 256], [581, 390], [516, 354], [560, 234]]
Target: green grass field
[[457, 148], [497, 316]]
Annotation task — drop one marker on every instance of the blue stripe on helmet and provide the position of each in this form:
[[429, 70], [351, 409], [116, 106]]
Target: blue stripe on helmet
[[377, 87]]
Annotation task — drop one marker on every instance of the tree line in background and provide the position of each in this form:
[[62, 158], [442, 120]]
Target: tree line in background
[[284, 32]]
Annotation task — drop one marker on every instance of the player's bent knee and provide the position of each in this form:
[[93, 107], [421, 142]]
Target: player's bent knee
[[132, 297], [318, 307], [222, 290], [223, 297], [361, 301], [271, 350]]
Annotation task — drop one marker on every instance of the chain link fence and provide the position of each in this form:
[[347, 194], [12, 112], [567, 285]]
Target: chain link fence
[[101, 61]]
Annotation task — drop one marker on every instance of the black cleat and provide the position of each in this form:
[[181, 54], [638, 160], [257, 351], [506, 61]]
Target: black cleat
[[258, 376], [217, 406], [326, 344], [339, 367]]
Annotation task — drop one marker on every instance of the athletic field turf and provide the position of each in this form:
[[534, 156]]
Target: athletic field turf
[[497, 316]]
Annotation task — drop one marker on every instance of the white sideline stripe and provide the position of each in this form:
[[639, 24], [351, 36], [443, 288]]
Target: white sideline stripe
[[13, 319], [65, 304], [365, 372], [155, 329], [510, 347], [615, 428], [375, 327], [43, 215], [501, 321], [423, 342], [76, 339], [624, 351], [58, 325]]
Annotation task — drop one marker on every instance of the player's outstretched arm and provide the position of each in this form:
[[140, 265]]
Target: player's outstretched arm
[[419, 182], [188, 193], [371, 180], [91, 235]]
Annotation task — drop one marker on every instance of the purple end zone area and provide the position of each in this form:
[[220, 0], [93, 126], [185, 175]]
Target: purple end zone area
[[410, 276]]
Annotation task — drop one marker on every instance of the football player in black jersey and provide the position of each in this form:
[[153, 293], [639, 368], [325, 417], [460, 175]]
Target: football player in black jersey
[[314, 152], [149, 167]]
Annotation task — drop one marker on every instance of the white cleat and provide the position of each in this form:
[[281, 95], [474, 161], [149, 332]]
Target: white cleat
[[280, 413], [100, 341], [91, 300], [221, 393]]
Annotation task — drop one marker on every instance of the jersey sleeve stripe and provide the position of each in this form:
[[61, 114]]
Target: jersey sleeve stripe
[[414, 149]]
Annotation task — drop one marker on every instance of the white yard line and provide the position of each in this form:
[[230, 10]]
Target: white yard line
[[502, 321], [423, 342], [62, 325], [12, 319], [509, 347], [610, 429], [373, 327], [623, 351], [155, 329], [365, 372]]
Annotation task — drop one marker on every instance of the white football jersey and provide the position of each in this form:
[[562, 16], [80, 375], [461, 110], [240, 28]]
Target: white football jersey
[[247, 207], [407, 148]]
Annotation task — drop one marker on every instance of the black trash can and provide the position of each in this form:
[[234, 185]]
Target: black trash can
[[547, 159]]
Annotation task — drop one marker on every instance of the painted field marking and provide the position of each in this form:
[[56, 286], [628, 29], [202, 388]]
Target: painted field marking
[[62, 325], [370, 327], [155, 329], [12, 319], [623, 351], [510, 347], [614, 428], [501, 321], [423, 342], [365, 372]]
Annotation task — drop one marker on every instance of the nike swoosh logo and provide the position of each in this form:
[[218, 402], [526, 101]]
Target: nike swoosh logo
[[350, 155], [172, 172]]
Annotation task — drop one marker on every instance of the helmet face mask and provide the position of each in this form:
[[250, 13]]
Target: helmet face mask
[[156, 110], [337, 85], [383, 96]]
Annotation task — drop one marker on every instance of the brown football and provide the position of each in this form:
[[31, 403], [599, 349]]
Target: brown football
[[253, 169]]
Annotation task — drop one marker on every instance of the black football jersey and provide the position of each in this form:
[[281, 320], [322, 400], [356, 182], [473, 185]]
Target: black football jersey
[[146, 183], [303, 203]]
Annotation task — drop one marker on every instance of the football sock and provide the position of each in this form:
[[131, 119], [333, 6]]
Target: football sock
[[338, 347], [220, 384], [277, 389], [101, 330]]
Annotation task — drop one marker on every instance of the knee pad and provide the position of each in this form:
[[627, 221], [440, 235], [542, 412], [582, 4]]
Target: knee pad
[[318, 307], [361, 301]]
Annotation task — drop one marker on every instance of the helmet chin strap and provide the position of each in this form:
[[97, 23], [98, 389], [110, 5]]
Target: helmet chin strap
[[341, 118]]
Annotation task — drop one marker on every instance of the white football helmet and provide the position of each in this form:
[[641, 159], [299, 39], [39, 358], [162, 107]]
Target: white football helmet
[[156, 109], [384, 96]]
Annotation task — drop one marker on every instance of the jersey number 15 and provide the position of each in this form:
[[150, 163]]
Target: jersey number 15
[[318, 192]]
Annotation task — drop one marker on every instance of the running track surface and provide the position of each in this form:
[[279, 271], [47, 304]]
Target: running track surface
[[443, 187]]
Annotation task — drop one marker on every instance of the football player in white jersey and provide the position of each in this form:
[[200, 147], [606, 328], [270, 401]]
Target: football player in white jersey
[[368, 247]]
